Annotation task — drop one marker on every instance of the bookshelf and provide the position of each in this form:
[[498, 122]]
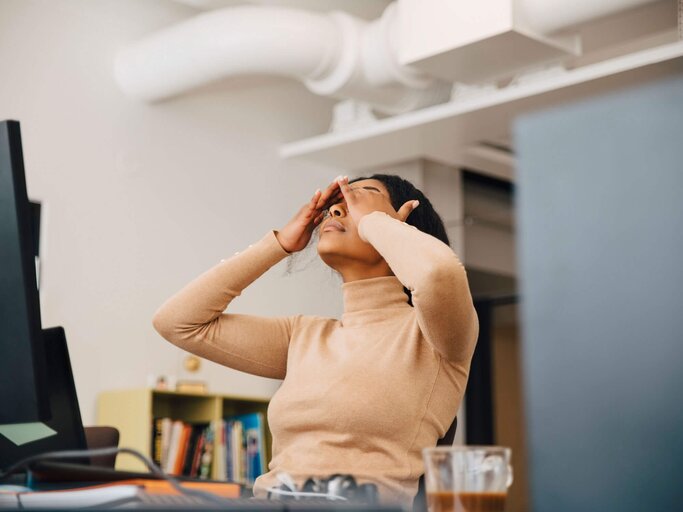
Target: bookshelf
[[132, 412]]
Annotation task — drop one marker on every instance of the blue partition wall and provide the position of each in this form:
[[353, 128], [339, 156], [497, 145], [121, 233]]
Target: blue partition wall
[[600, 215]]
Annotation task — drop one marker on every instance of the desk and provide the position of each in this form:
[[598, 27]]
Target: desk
[[157, 494]]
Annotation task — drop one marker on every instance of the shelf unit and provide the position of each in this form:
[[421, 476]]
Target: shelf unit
[[443, 133], [132, 411]]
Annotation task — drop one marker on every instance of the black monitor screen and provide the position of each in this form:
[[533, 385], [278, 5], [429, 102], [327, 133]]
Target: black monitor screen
[[22, 360], [64, 431]]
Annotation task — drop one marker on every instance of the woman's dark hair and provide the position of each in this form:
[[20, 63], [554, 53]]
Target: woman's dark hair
[[424, 217]]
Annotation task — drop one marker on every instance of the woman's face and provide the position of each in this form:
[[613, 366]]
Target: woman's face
[[339, 244]]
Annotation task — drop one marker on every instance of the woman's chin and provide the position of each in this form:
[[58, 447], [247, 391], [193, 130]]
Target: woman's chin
[[328, 246], [332, 250]]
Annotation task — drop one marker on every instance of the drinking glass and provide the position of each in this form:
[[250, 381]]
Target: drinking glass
[[467, 478]]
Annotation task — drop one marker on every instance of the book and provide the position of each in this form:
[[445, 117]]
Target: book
[[196, 431], [174, 446], [183, 442], [156, 441], [219, 449], [166, 427], [229, 469], [231, 449], [194, 472], [253, 453], [237, 460], [206, 458], [177, 446]]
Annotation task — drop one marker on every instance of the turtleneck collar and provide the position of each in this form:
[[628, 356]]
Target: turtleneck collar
[[369, 299]]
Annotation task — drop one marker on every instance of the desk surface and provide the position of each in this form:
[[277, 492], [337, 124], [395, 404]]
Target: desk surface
[[157, 495]]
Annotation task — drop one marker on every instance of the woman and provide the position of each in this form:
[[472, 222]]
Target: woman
[[361, 395]]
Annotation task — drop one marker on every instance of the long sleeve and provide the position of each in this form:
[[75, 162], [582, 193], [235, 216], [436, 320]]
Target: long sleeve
[[437, 281], [193, 318]]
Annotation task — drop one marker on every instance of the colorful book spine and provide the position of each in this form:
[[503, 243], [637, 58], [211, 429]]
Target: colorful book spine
[[245, 448], [156, 441], [183, 441], [237, 460], [253, 445], [166, 429], [195, 431], [180, 448], [207, 454], [173, 446], [194, 472], [229, 468]]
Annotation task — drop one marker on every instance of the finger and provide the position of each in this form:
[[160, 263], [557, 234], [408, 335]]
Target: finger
[[313, 202], [331, 190], [318, 219], [407, 208], [334, 198], [315, 197], [345, 188], [338, 197]]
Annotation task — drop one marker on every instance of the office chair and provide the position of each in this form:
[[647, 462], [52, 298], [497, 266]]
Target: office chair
[[420, 500], [102, 437]]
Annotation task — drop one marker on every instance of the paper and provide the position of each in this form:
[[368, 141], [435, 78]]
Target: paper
[[22, 433], [79, 498]]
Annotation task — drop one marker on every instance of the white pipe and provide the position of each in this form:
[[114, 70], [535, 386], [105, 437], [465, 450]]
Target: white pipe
[[333, 54], [223, 43], [548, 16]]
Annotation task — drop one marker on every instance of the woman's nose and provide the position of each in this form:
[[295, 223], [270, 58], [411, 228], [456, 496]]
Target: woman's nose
[[337, 210]]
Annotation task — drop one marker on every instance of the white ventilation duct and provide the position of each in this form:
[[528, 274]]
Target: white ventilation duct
[[548, 16], [334, 54], [388, 65]]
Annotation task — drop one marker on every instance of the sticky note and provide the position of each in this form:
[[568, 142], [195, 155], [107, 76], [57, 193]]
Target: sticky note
[[22, 433]]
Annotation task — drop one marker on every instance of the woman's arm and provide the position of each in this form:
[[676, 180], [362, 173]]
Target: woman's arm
[[193, 318], [436, 278]]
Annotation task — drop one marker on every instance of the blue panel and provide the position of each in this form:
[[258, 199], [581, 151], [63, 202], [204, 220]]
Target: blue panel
[[600, 215]]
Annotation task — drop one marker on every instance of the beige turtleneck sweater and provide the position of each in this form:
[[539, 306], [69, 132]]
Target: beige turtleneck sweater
[[362, 395]]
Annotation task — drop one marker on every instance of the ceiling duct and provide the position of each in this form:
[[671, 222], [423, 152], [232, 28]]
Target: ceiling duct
[[404, 60], [333, 54]]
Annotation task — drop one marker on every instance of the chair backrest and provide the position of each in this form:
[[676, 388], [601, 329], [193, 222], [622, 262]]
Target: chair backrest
[[420, 500], [449, 436], [102, 437]]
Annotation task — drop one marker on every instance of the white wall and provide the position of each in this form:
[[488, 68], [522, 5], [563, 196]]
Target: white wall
[[140, 199]]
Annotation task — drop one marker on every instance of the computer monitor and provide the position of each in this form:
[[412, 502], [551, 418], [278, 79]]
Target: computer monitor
[[23, 395], [64, 430], [600, 199]]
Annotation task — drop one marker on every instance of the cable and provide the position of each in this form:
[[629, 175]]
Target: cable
[[78, 454]]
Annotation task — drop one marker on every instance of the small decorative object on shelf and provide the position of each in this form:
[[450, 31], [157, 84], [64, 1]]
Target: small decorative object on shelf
[[161, 382], [192, 363], [191, 386]]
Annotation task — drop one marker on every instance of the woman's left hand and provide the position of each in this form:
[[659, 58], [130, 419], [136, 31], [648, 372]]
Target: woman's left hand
[[360, 202]]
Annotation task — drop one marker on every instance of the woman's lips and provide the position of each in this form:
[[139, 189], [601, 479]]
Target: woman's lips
[[333, 225]]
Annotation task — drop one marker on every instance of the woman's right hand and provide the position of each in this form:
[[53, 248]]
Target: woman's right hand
[[297, 233]]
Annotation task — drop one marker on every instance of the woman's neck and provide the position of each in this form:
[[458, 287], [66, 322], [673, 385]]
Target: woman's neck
[[357, 271]]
